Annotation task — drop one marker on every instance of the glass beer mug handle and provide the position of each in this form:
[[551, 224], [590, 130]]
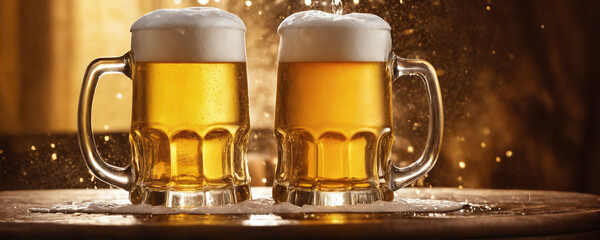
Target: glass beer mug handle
[[117, 176], [403, 176]]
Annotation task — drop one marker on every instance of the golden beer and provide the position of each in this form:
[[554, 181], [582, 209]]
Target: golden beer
[[333, 119], [190, 117], [190, 125], [333, 126]]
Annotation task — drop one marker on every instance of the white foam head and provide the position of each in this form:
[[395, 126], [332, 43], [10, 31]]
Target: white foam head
[[316, 36], [197, 34]]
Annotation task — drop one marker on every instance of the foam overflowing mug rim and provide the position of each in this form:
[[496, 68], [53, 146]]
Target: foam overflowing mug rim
[[197, 34], [320, 19], [191, 18], [316, 36]]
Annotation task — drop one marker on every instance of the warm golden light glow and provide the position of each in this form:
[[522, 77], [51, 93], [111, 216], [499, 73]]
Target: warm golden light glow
[[518, 98]]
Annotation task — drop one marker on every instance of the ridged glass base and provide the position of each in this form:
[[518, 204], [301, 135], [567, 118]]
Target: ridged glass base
[[191, 199], [299, 196]]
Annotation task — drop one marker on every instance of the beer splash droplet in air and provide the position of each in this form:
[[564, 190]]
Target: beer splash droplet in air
[[337, 7]]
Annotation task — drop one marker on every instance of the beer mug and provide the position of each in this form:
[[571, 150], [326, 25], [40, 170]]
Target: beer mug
[[333, 118], [190, 119]]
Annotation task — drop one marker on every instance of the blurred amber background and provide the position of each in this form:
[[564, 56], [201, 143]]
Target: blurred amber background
[[519, 83]]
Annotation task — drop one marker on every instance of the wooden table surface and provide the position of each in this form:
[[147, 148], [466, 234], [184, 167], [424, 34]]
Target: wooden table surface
[[491, 213]]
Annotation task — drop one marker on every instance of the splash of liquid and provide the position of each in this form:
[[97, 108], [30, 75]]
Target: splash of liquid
[[337, 7], [115, 202], [255, 206]]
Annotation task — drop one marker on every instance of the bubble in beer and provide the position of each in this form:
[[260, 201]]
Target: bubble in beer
[[196, 34], [317, 36]]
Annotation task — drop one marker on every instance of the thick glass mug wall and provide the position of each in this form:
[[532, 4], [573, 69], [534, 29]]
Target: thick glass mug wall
[[190, 111], [333, 112]]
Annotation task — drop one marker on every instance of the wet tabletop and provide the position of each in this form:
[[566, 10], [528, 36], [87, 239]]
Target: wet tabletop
[[489, 213]]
